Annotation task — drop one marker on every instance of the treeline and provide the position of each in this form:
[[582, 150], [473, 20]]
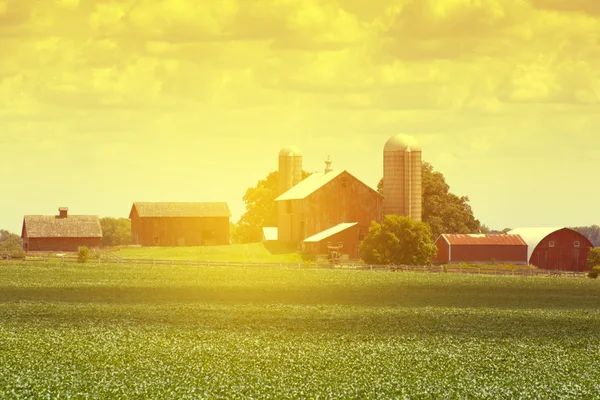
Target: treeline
[[590, 232], [11, 245]]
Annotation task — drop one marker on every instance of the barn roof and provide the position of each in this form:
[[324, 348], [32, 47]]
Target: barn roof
[[312, 183], [483, 239], [181, 209], [270, 233], [73, 226], [329, 232], [533, 236]]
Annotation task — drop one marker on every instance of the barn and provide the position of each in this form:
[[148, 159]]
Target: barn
[[346, 237], [179, 223], [480, 248], [555, 248], [325, 200], [62, 232]]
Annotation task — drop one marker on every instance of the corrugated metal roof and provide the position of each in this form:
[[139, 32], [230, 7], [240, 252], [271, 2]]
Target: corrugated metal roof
[[329, 232], [483, 239], [270, 233], [181, 209], [533, 236], [72, 226], [309, 185]]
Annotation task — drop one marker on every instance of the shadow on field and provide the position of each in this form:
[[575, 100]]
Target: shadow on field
[[376, 296]]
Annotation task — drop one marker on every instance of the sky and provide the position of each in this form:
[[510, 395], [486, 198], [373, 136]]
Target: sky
[[103, 103]]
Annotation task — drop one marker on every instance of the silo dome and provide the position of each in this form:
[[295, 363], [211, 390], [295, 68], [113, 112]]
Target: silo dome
[[401, 142], [290, 151]]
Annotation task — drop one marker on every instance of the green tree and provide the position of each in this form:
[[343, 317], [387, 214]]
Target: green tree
[[11, 244], [83, 254], [261, 209], [593, 258], [398, 240], [444, 211], [590, 232], [115, 231]]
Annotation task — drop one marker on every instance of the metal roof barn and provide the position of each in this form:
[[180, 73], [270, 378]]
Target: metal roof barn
[[480, 248]]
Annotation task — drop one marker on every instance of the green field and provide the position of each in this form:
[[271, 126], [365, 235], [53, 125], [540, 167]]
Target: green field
[[118, 331], [251, 252]]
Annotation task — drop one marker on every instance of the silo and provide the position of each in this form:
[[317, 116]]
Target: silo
[[402, 164], [290, 168]]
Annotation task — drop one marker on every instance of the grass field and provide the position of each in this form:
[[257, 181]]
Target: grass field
[[251, 252], [117, 331]]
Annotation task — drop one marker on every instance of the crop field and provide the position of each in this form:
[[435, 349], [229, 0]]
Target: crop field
[[251, 252], [130, 331]]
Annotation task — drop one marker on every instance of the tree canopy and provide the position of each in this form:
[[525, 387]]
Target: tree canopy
[[444, 211], [398, 240], [590, 232], [115, 231], [261, 209], [11, 244]]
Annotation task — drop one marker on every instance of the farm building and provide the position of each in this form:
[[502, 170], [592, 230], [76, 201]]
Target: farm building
[[555, 248], [479, 248], [346, 237], [61, 232], [179, 223], [324, 200]]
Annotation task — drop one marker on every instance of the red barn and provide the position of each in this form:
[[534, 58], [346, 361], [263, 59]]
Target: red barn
[[325, 200], [61, 232], [179, 224], [555, 248], [479, 248]]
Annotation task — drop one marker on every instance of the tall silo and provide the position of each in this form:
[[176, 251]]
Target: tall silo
[[402, 167], [290, 168]]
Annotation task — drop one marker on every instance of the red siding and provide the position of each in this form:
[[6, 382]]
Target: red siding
[[179, 231], [564, 255], [60, 244], [442, 250], [489, 253]]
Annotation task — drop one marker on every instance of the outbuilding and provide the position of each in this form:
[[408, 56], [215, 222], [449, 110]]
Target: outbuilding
[[480, 248], [344, 238], [555, 248], [61, 232]]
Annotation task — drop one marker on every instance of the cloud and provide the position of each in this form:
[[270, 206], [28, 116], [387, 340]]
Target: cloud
[[591, 7]]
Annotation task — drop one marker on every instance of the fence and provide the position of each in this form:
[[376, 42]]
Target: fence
[[454, 269]]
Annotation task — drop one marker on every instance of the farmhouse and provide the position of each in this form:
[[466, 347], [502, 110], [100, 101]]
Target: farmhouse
[[179, 223], [60, 232], [555, 248], [479, 248], [333, 198]]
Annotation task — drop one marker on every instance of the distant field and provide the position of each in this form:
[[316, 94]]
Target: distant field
[[125, 331], [252, 252]]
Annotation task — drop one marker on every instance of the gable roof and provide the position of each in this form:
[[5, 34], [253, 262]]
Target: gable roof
[[483, 239], [72, 226], [181, 209], [314, 182], [329, 232]]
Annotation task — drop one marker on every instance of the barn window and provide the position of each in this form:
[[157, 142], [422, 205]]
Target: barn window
[[551, 244], [343, 180], [576, 243]]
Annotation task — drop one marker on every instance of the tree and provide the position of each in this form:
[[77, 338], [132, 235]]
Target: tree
[[398, 240], [261, 209], [115, 231], [11, 244], [590, 232], [593, 258], [83, 254], [444, 211]]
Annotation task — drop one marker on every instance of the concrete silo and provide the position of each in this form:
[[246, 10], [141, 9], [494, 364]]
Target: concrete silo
[[402, 167], [290, 168]]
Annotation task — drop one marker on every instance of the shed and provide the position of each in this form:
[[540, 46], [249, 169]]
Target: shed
[[61, 232], [180, 223], [555, 248], [348, 234], [480, 248]]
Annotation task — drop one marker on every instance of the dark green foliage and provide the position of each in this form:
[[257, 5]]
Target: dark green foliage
[[398, 240], [590, 232], [115, 231], [594, 272], [83, 254], [11, 245], [593, 258], [444, 211], [261, 209]]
